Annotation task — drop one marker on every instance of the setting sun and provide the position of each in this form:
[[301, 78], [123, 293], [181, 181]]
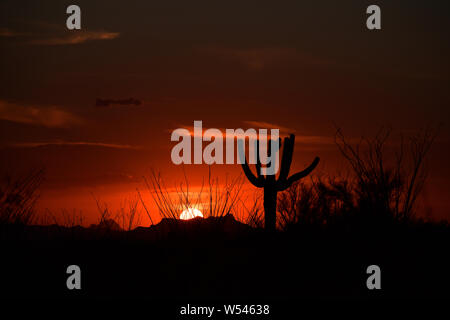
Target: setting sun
[[190, 214]]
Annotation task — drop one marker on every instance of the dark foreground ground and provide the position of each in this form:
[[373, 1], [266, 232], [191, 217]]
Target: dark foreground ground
[[221, 259]]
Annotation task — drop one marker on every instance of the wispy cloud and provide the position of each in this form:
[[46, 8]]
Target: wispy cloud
[[307, 141], [69, 143], [191, 132], [8, 33], [299, 138], [47, 116], [247, 124], [74, 37], [50, 34]]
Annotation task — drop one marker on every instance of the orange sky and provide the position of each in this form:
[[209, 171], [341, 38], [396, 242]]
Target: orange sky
[[305, 67]]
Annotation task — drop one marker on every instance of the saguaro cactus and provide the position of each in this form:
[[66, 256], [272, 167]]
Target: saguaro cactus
[[272, 185]]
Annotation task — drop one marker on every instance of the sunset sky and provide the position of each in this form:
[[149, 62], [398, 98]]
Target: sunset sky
[[303, 67]]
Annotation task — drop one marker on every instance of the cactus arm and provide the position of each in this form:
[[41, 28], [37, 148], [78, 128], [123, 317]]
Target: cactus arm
[[258, 163], [283, 185], [257, 182], [286, 159]]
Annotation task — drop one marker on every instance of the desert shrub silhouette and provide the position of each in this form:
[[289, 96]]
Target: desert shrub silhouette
[[379, 191], [18, 197], [271, 184], [213, 199], [387, 188], [318, 202]]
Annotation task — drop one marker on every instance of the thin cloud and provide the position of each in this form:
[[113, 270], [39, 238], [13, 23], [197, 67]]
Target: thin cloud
[[307, 142], [284, 131], [79, 143], [256, 125], [190, 131], [8, 33], [51, 34], [74, 37], [49, 116]]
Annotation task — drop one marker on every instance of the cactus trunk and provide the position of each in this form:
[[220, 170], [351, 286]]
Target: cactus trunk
[[270, 208]]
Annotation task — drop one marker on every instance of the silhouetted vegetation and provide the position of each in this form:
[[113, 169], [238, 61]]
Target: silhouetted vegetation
[[214, 199], [18, 197], [126, 218], [333, 228], [380, 190]]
